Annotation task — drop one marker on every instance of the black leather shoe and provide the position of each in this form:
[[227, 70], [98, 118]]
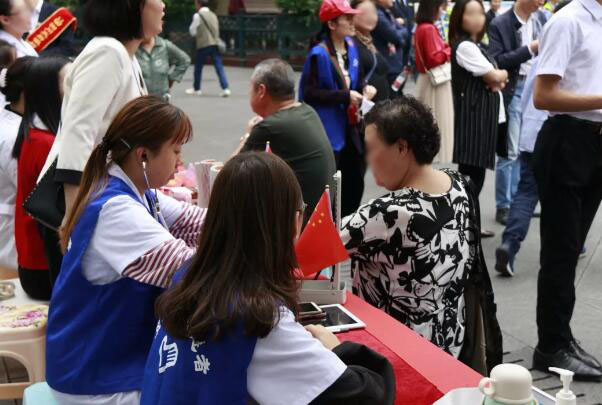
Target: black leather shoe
[[502, 261], [563, 358], [501, 215], [576, 350]]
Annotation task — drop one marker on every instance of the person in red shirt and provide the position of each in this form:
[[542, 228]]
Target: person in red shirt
[[43, 98], [431, 52]]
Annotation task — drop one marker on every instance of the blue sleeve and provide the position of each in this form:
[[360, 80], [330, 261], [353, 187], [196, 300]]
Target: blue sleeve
[[389, 32]]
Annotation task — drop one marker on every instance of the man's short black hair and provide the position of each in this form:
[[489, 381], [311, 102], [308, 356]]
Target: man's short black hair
[[408, 119], [120, 19]]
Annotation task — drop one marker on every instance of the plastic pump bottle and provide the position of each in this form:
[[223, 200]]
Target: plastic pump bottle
[[565, 396]]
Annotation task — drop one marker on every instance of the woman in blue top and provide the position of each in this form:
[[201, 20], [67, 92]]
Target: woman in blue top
[[121, 251], [332, 83], [227, 332]]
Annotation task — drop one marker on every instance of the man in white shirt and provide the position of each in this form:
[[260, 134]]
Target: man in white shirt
[[205, 28], [513, 42], [568, 168]]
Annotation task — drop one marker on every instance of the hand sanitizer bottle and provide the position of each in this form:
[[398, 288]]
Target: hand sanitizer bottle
[[565, 396]]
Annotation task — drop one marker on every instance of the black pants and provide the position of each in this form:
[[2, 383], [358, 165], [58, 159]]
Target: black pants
[[476, 174], [353, 168], [567, 162], [36, 283], [52, 250]]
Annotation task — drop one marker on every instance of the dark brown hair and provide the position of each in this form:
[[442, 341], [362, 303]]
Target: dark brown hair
[[119, 19], [7, 54], [428, 10], [243, 270], [147, 122], [456, 20]]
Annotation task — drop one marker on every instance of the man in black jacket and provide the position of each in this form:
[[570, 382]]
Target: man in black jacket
[[403, 12], [63, 45], [493, 12], [513, 42], [390, 38]]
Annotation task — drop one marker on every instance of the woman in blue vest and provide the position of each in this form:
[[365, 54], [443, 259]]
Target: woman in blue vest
[[333, 84], [121, 251], [227, 332]]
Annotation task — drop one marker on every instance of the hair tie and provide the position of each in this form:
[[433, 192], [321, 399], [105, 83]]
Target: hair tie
[[3, 73]]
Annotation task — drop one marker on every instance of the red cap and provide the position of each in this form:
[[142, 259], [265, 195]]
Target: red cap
[[332, 9]]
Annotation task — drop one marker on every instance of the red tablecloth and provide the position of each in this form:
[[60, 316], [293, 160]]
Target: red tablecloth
[[423, 372], [411, 387]]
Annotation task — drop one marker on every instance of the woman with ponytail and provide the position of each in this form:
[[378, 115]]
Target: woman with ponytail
[[41, 117], [120, 253], [12, 81]]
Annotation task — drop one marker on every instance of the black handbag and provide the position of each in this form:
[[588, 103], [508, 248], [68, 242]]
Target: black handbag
[[46, 203]]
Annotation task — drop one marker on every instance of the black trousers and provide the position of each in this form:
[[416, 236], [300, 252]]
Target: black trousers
[[52, 250], [36, 283], [567, 162], [476, 174], [352, 165]]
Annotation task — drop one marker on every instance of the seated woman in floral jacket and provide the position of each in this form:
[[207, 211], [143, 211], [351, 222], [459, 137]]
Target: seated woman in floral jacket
[[413, 248]]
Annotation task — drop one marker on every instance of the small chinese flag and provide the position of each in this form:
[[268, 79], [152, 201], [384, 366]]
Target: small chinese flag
[[320, 245], [268, 148]]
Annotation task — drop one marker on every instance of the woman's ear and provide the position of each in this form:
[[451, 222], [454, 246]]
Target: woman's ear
[[141, 154]]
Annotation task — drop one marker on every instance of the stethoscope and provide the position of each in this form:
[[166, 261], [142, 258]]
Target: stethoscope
[[153, 200]]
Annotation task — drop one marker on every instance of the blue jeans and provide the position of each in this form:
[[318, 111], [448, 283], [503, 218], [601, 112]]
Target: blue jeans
[[507, 171], [522, 208], [201, 57]]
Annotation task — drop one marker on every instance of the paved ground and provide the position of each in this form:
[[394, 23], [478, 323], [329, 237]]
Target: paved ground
[[219, 123]]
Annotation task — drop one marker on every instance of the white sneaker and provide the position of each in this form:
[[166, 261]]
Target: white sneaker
[[193, 92], [226, 93]]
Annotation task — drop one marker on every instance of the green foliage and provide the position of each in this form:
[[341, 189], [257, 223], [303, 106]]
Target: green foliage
[[301, 8]]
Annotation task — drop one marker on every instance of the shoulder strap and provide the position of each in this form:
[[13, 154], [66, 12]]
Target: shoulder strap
[[336, 65], [208, 27], [374, 65]]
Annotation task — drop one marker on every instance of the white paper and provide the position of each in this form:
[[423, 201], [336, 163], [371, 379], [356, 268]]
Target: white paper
[[366, 106], [462, 396]]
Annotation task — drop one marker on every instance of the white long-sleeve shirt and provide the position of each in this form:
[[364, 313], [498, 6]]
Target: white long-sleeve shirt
[[9, 127], [100, 82]]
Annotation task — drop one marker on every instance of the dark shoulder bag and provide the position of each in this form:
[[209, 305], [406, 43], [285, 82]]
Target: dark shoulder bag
[[46, 203], [483, 343]]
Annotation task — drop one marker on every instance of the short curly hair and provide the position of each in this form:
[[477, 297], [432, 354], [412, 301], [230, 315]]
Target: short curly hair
[[408, 119]]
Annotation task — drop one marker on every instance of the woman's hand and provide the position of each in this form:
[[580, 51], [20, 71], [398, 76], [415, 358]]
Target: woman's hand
[[326, 337], [370, 92], [355, 98]]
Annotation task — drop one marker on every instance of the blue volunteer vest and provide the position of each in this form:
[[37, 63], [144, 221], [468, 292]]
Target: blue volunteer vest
[[98, 336], [183, 371], [333, 117]]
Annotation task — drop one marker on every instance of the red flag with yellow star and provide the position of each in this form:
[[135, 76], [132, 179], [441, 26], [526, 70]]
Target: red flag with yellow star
[[320, 245]]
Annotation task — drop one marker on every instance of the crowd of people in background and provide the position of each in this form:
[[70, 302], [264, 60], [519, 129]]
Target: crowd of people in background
[[485, 81]]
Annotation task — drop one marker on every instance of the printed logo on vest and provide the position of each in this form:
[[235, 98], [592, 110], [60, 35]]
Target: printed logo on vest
[[201, 364], [171, 355], [195, 345]]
